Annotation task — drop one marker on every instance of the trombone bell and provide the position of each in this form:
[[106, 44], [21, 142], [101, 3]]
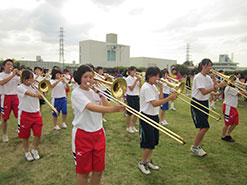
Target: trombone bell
[[44, 86], [118, 87]]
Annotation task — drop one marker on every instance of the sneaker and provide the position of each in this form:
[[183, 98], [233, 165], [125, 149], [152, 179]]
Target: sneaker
[[164, 122], [35, 154], [134, 129], [198, 151], [229, 139], [144, 168], [173, 108], [223, 138], [5, 138], [104, 120], [57, 127], [63, 125], [29, 156], [152, 166], [130, 130]]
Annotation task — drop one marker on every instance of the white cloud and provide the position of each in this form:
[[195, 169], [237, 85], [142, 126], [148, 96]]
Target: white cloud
[[159, 28]]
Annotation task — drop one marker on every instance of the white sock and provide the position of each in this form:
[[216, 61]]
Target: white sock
[[172, 105]]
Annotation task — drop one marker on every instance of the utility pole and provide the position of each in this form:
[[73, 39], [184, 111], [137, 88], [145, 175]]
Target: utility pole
[[188, 53], [61, 48]]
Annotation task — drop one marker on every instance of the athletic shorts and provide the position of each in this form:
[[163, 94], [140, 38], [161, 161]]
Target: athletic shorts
[[133, 101], [89, 150], [28, 121], [149, 136], [230, 115], [42, 101], [61, 105], [67, 90], [8, 103], [166, 105], [200, 119]]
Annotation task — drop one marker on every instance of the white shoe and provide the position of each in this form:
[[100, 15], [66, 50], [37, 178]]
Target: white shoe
[[152, 166], [35, 154], [134, 129], [198, 151], [173, 108], [29, 156], [63, 125], [57, 127], [164, 123], [5, 138], [144, 168], [104, 120], [130, 130]]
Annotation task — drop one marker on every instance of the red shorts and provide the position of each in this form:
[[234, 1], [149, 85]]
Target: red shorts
[[230, 115], [28, 121], [8, 103], [67, 90], [89, 151]]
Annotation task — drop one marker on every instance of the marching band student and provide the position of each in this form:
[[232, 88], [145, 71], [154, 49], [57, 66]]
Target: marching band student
[[133, 85], [88, 136], [38, 78], [29, 115], [67, 78], [9, 98], [203, 85], [149, 106], [166, 92], [230, 112], [173, 75], [58, 96]]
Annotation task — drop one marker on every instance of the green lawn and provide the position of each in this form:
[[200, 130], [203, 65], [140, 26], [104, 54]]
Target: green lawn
[[226, 163]]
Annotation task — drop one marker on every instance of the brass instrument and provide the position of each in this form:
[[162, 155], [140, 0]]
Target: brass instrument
[[231, 81], [44, 86], [43, 76], [117, 87], [179, 89], [146, 119]]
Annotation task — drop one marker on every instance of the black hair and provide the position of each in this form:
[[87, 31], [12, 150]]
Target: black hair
[[53, 73], [151, 71], [26, 74], [91, 66], [221, 71], [80, 71], [204, 62], [7, 60], [37, 67], [98, 68], [164, 71], [65, 70], [23, 67], [131, 68]]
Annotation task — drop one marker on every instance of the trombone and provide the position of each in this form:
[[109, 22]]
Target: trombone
[[117, 87], [143, 117], [179, 89], [44, 87], [231, 81]]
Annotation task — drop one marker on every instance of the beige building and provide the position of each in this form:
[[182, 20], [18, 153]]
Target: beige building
[[112, 54], [152, 62], [106, 54]]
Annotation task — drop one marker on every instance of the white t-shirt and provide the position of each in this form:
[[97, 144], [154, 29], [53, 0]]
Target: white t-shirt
[[67, 77], [59, 90], [10, 88], [165, 87], [200, 82], [149, 93], [101, 87], [74, 83], [27, 103], [130, 81], [231, 97], [38, 79], [83, 118]]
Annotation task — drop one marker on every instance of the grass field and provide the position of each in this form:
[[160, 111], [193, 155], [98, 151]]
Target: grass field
[[226, 163]]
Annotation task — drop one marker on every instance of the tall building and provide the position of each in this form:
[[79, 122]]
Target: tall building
[[112, 54], [106, 54]]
